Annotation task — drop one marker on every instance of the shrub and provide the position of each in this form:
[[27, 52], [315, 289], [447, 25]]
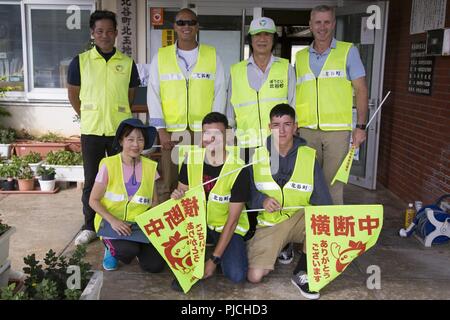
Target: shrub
[[7, 136], [64, 158]]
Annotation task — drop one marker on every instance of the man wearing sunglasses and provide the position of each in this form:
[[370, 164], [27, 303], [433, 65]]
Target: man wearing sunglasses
[[186, 82]]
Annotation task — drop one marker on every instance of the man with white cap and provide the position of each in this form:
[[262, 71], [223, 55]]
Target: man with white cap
[[256, 85]]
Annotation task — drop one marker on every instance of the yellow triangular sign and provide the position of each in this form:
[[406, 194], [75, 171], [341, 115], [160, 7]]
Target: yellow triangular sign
[[344, 170]]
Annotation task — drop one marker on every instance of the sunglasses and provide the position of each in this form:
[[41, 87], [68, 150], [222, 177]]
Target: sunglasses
[[186, 22]]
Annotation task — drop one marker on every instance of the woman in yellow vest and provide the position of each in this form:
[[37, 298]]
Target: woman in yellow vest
[[123, 189]]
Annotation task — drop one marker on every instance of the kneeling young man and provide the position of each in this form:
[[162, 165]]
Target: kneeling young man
[[227, 224], [285, 174]]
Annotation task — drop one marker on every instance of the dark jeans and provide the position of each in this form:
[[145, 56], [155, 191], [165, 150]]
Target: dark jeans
[[234, 259], [125, 251], [94, 149]]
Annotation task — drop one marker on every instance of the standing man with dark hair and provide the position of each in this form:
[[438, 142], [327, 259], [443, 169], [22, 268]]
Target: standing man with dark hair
[[186, 83], [257, 84], [101, 85], [226, 196], [296, 182], [328, 72]]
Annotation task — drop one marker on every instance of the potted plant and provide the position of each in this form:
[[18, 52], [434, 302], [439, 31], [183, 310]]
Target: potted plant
[[43, 145], [9, 171], [7, 136], [25, 177], [68, 165], [46, 177], [5, 234], [34, 159], [50, 281]]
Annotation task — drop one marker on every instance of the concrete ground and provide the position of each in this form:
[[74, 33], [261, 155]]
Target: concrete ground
[[408, 269]]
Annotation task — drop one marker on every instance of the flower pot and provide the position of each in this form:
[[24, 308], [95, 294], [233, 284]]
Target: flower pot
[[47, 185], [5, 151], [26, 184], [68, 173], [4, 245], [24, 148], [9, 185]]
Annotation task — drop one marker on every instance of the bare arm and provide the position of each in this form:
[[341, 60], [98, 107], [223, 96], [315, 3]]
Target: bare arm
[[362, 107], [179, 192], [74, 97]]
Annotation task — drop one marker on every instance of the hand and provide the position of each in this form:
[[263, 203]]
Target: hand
[[165, 139], [210, 268], [177, 194], [358, 137], [122, 228], [271, 205]]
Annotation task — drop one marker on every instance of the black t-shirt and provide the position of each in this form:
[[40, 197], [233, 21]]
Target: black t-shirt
[[74, 76], [240, 192]]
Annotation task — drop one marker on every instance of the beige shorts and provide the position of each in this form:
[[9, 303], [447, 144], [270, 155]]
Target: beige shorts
[[265, 246]]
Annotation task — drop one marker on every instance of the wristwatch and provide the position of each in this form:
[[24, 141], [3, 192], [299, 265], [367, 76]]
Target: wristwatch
[[361, 126], [215, 259]]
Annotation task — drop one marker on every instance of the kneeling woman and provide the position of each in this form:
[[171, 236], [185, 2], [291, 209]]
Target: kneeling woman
[[123, 189]]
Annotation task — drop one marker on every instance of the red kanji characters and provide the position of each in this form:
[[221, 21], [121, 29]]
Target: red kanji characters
[[190, 207], [368, 224], [174, 216], [344, 226], [154, 226], [320, 224]]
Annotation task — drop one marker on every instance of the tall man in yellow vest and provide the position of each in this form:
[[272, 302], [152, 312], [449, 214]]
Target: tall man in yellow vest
[[285, 173], [101, 85], [226, 197], [186, 82], [257, 84], [327, 73]]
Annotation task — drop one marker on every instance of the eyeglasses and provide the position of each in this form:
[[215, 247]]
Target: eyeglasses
[[186, 22]]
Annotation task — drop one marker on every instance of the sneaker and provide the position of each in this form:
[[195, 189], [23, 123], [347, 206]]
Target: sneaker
[[109, 262], [85, 236], [287, 254], [300, 280]]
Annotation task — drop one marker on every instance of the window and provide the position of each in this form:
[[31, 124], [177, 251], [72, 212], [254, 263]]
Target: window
[[57, 35], [11, 55]]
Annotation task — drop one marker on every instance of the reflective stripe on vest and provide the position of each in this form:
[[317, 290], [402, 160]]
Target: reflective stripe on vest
[[252, 108], [326, 102], [116, 200], [104, 92], [296, 192], [217, 206], [186, 102]]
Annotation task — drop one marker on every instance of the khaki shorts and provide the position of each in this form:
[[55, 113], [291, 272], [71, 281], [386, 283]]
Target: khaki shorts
[[265, 246]]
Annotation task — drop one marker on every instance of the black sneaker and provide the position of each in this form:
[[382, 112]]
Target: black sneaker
[[300, 280], [176, 286], [287, 254]]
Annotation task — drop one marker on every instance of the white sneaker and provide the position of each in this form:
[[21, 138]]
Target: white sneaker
[[85, 236]]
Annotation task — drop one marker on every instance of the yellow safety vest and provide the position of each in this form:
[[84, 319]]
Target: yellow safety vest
[[325, 102], [116, 200], [185, 102], [104, 92], [252, 108], [296, 192], [217, 206]]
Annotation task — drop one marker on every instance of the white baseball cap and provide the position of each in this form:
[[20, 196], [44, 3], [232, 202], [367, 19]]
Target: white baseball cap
[[262, 24]]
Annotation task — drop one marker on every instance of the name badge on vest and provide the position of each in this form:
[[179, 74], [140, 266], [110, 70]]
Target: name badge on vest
[[202, 75], [332, 74], [276, 84], [300, 186]]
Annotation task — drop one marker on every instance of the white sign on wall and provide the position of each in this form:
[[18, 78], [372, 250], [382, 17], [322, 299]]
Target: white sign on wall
[[427, 15], [126, 26]]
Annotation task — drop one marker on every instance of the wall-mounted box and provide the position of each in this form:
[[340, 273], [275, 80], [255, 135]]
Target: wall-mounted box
[[438, 42]]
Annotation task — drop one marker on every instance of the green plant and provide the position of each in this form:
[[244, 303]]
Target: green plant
[[7, 135], [9, 170], [24, 134], [48, 281], [46, 173], [32, 157], [64, 158], [51, 137], [25, 172], [3, 227]]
